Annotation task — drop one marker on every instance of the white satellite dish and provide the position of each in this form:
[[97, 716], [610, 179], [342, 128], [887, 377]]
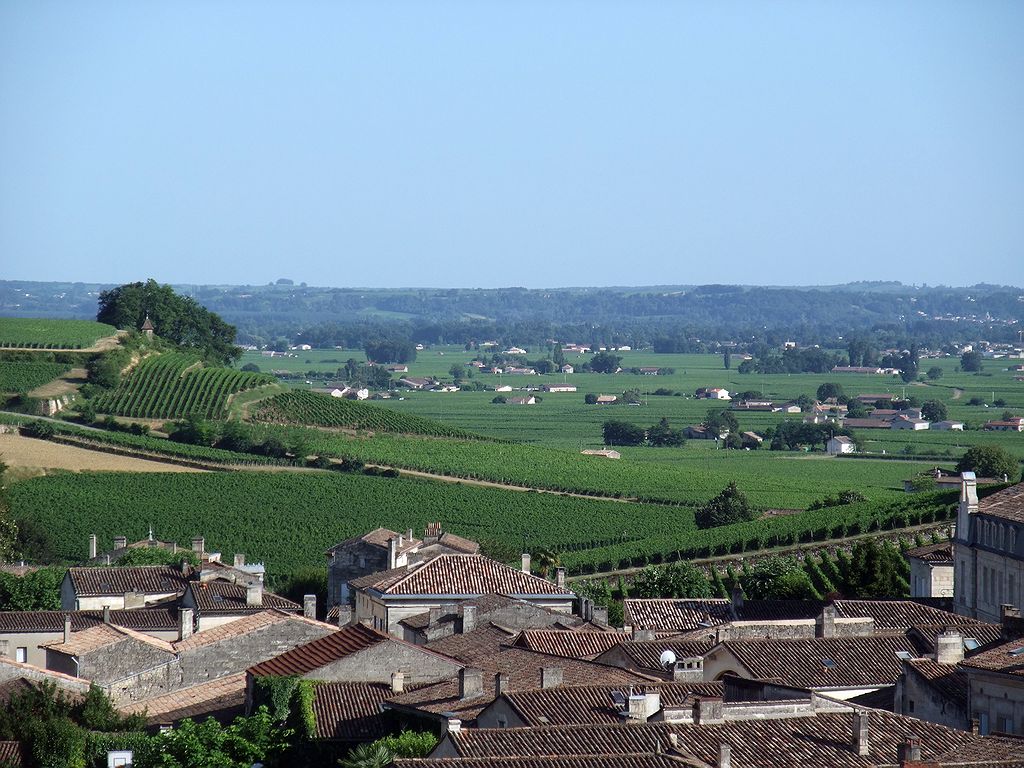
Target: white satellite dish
[[667, 659]]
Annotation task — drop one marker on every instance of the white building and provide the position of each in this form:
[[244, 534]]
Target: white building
[[841, 444]]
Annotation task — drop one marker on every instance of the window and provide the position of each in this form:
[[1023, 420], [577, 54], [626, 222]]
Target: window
[[910, 705], [21, 654], [1005, 724]]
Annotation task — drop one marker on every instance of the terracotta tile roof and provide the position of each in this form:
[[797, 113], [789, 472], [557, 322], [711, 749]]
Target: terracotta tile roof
[[101, 636], [592, 704], [1002, 751], [460, 575], [649, 760], [112, 580], [458, 543], [378, 538], [676, 614], [53, 621], [12, 754], [574, 645], [941, 552], [224, 697], [836, 662], [923, 635], [321, 652], [1007, 504], [220, 596], [948, 680], [1007, 658], [351, 711], [251, 623], [900, 614], [822, 741], [646, 654]]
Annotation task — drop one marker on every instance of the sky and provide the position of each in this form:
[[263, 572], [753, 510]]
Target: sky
[[490, 144]]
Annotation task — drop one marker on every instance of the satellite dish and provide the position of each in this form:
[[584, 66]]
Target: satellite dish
[[667, 659]]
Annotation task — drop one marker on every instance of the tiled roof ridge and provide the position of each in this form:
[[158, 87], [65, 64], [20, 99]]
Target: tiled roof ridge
[[493, 565]]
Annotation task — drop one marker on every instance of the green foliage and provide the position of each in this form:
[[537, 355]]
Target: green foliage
[[390, 351], [605, 362], [315, 409], [308, 581], [104, 370], [42, 430], [840, 499], [677, 580], [934, 410], [51, 334], [256, 738], [35, 591], [410, 743], [662, 435], [875, 571], [934, 373], [179, 319], [971, 362], [374, 755], [156, 556], [720, 420], [830, 389], [729, 506], [989, 461], [777, 578], [622, 433], [171, 386], [20, 377]]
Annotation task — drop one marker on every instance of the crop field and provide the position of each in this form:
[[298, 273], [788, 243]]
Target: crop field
[[315, 409], [174, 386], [32, 333], [289, 519], [19, 377]]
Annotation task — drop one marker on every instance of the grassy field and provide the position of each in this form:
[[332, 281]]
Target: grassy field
[[51, 334], [20, 377]]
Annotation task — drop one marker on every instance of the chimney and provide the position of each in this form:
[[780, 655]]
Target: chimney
[[344, 615], [825, 623], [709, 710], [600, 614], [106, 559], [454, 725], [106, 614], [309, 606], [502, 684], [526, 562], [408, 534], [397, 682], [185, 567], [92, 546], [737, 599], [471, 683], [434, 617], [67, 628], [910, 750], [560, 577], [392, 553], [185, 625], [949, 647], [239, 560], [134, 600], [550, 677], [643, 635], [120, 542], [724, 755], [968, 504], [861, 733], [199, 546], [468, 618], [254, 594], [688, 670]]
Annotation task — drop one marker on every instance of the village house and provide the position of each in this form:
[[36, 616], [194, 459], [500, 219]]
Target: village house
[[713, 393], [905, 422], [948, 424], [567, 369], [606, 399], [931, 570], [559, 388], [606, 453], [1013, 424]]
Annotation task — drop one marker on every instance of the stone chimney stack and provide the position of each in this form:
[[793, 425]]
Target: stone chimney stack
[[502, 684], [92, 546], [861, 733], [392, 553], [825, 624], [434, 617], [408, 534], [737, 599], [309, 606], [397, 682], [910, 750], [344, 615], [550, 677], [560, 577], [968, 504], [724, 755], [949, 647], [468, 619], [471, 683], [106, 614], [709, 710], [254, 594], [67, 628], [643, 635], [199, 546], [185, 623], [526, 562], [120, 542], [239, 560]]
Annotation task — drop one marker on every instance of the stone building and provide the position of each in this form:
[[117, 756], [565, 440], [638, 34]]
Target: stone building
[[931, 570]]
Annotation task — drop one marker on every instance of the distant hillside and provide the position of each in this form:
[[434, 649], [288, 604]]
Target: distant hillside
[[172, 386], [319, 410]]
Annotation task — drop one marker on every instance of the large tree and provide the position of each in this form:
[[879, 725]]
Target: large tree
[[179, 319], [989, 461], [730, 506]]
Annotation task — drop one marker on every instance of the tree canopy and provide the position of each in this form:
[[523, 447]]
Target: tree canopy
[[730, 506], [179, 319], [989, 461]]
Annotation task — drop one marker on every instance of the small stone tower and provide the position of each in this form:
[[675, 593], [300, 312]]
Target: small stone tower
[[147, 327]]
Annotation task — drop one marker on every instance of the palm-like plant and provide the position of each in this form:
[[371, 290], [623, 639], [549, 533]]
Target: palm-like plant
[[374, 755]]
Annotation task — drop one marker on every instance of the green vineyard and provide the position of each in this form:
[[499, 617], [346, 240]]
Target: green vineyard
[[315, 409], [174, 386], [31, 333], [19, 377]]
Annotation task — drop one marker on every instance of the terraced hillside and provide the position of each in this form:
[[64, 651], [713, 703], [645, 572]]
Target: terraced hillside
[[19, 377], [319, 410], [174, 386], [38, 333]]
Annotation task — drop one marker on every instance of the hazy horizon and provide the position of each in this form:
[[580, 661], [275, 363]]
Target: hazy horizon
[[533, 144]]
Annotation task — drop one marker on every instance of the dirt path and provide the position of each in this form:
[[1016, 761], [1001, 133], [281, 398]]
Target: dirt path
[[28, 456], [957, 393], [62, 385]]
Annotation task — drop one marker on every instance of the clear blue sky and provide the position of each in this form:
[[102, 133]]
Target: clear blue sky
[[483, 144]]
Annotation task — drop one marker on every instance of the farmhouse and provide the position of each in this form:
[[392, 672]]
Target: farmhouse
[[397, 368], [841, 444], [604, 452], [905, 422], [713, 393], [503, 388], [1015, 424], [567, 369], [606, 399], [513, 371], [559, 387], [948, 425], [413, 382]]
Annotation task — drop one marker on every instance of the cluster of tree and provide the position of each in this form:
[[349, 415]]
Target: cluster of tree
[[990, 461], [238, 436], [971, 361], [729, 506], [390, 350], [792, 360], [661, 435], [792, 435], [179, 319], [840, 499], [678, 580]]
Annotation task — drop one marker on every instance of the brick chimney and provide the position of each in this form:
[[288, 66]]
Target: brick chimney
[[910, 750], [199, 546], [468, 618], [471, 683], [825, 623], [185, 623], [392, 553], [708, 710], [309, 606], [949, 647], [239, 560], [120, 542], [397, 682], [254, 594], [526, 562], [560, 577], [861, 733], [643, 635], [550, 677], [92, 546]]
